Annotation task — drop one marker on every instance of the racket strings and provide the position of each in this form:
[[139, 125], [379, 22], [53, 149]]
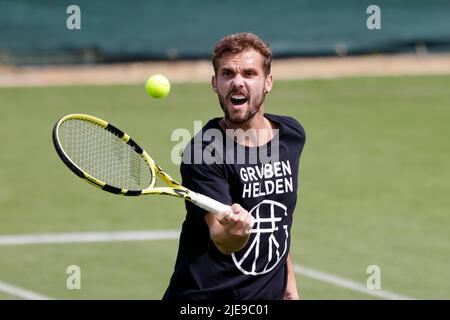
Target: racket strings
[[103, 155]]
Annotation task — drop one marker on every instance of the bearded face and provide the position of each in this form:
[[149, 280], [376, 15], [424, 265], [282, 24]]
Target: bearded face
[[241, 85]]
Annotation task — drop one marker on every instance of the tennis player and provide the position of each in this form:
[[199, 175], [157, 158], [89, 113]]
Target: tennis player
[[243, 254]]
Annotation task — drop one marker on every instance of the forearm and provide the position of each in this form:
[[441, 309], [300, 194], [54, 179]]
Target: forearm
[[230, 232], [227, 243], [291, 288]]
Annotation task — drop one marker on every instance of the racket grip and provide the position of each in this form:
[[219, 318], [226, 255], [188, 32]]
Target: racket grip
[[213, 206], [209, 204]]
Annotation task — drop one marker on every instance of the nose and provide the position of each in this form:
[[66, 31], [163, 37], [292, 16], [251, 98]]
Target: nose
[[238, 81]]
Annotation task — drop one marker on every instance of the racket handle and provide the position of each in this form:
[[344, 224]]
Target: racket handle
[[208, 203], [213, 206]]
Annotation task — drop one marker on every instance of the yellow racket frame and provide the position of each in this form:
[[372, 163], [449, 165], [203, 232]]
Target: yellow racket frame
[[174, 188]]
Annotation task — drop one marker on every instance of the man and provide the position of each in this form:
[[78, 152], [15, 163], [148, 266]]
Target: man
[[243, 254]]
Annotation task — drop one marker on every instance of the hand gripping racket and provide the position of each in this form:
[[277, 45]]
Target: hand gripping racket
[[109, 159]]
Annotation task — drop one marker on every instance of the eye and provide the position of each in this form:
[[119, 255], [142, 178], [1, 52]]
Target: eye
[[227, 73], [249, 73]]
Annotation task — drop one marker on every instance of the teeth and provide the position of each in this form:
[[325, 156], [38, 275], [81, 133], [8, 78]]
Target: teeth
[[239, 97]]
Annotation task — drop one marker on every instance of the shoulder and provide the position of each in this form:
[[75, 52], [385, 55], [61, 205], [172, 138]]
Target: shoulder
[[211, 128], [289, 125], [210, 135]]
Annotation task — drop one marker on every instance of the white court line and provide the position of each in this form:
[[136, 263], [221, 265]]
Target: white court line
[[174, 235], [73, 238], [20, 292], [345, 283], [88, 237]]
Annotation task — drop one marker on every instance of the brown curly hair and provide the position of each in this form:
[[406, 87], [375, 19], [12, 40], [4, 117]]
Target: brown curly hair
[[239, 42]]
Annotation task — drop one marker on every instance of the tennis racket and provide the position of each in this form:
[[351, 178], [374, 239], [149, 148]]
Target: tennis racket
[[109, 159]]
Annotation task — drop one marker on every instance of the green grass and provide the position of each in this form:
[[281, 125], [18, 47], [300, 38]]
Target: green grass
[[374, 186], [4, 296], [120, 270]]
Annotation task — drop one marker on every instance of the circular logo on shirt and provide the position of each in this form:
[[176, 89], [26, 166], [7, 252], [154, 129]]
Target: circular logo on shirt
[[268, 242]]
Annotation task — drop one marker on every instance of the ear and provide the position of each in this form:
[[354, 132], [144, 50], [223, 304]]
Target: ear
[[268, 84], [214, 83]]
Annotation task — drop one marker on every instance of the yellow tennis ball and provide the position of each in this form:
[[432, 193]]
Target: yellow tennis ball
[[157, 86]]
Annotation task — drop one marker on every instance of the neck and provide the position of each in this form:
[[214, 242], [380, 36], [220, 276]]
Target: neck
[[255, 132], [256, 122]]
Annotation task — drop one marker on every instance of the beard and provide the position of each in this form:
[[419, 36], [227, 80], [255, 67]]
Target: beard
[[253, 107]]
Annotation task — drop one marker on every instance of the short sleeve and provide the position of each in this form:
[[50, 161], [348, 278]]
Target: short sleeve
[[209, 180], [297, 128]]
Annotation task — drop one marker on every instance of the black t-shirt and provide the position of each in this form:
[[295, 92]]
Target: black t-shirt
[[263, 180]]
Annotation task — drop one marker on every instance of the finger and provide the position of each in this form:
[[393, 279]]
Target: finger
[[250, 222], [225, 217], [244, 221], [228, 216], [236, 208]]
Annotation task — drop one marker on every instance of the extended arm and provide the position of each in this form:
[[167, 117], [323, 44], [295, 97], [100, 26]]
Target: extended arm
[[229, 233]]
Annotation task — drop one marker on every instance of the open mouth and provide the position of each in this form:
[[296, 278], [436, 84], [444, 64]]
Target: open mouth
[[238, 99]]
